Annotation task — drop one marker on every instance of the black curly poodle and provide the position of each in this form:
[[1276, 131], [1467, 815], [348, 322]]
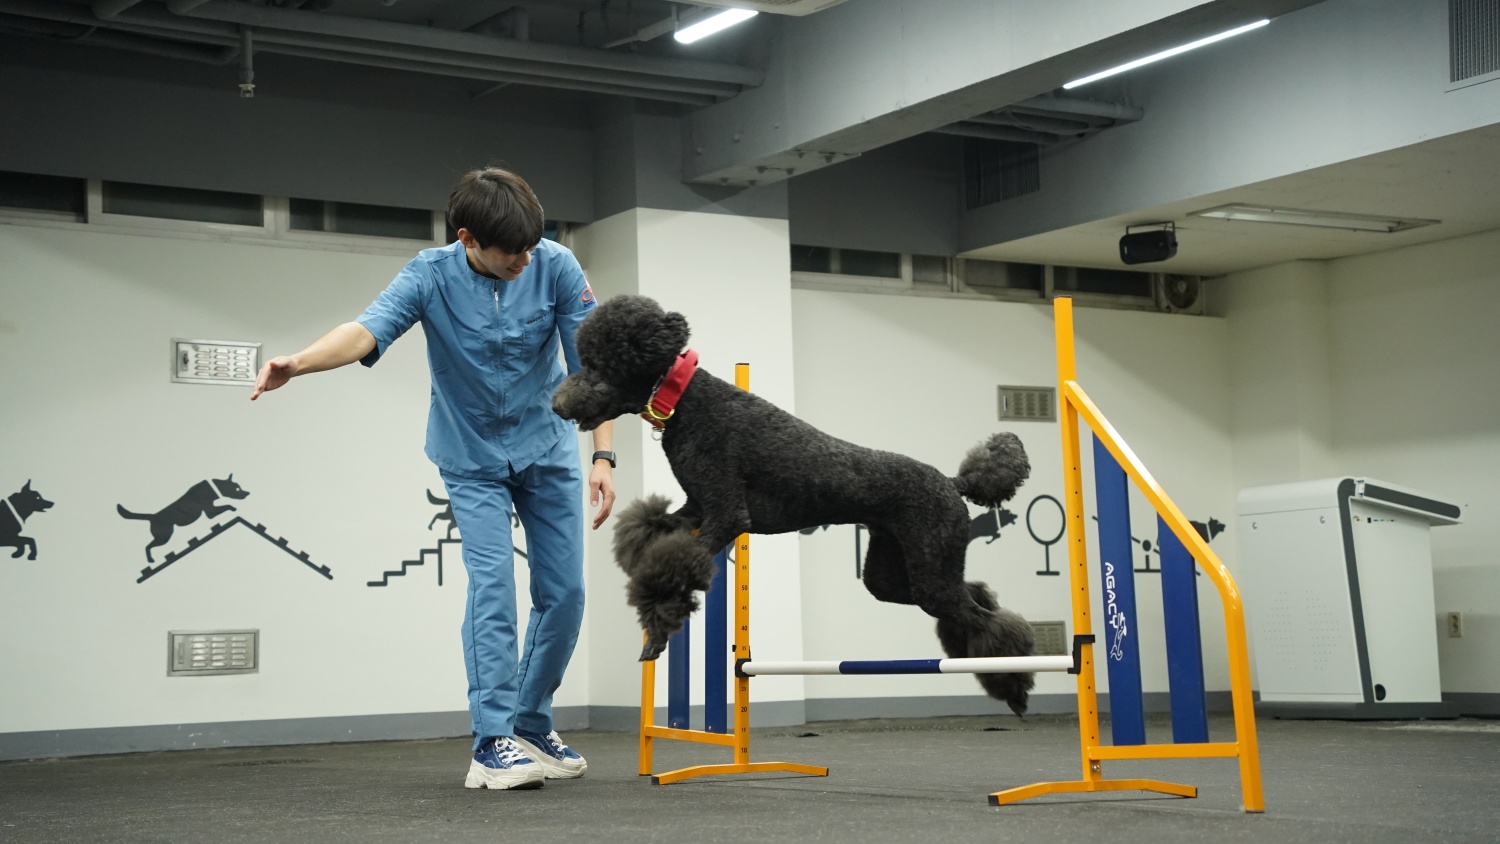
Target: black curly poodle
[[749, 466]]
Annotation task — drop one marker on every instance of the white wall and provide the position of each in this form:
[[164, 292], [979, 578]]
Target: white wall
[[333, 464], [918, 376]]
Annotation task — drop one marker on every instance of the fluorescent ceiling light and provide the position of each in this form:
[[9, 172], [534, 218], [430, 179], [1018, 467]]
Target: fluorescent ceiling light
[[1167, 53], [713, 23], [1321, 219]]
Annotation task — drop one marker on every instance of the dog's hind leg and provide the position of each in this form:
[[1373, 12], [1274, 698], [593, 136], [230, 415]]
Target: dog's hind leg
[[161, 534], [980, 627], [885, 569], [970, 622]]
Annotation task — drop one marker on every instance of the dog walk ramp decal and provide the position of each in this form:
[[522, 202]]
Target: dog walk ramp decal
[[260, 530], [202, 499]]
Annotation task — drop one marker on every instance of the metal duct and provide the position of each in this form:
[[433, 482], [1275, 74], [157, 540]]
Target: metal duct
[[1051, 105], [998, 133]]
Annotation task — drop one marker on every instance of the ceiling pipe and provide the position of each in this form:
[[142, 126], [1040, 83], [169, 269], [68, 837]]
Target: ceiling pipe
[[474, 73], [150, 45], [183, 7], [616, 81], [247, 64]]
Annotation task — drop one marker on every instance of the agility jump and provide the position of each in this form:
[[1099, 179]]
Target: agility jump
[[1114, 462]]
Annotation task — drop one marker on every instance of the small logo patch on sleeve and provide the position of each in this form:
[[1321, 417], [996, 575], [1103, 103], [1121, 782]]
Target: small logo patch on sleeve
[[588, 293]]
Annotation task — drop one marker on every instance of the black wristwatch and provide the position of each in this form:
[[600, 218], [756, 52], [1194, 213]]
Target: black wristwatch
[[604, 455]]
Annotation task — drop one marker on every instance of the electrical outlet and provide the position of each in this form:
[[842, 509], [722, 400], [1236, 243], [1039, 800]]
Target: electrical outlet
[[1455, 625]]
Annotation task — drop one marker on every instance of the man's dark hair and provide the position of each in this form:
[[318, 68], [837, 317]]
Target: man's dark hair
[[498, 208]]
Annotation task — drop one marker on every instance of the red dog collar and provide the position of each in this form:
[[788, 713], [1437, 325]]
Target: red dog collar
[[663, 402]]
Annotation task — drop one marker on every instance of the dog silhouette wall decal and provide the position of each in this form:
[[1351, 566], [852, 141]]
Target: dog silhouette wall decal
[[197, 502], [445, 514], [17, 508]]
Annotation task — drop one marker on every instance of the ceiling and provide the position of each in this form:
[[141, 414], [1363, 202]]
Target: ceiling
[[1454, 179], [619, 48]]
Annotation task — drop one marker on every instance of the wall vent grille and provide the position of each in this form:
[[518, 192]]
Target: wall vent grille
[[198, 653], [1037, 403], [1474, 38], [1051, 638], [214, 362]]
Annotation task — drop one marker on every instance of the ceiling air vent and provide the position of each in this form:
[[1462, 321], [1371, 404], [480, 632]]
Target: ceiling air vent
[[1474, 39], [1036, 403], [995, 171]]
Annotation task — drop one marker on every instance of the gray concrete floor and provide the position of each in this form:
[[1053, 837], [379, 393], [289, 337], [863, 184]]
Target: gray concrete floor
[[920, 780]]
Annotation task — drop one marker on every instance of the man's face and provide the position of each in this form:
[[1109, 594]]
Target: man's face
[[491, 261]]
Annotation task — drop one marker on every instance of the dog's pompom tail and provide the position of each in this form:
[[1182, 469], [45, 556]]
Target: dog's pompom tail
[[986, 629], [664, 585], [639, 525], [992, 471]]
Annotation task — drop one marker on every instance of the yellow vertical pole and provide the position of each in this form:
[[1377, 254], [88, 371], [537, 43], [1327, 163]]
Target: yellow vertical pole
[[742, 618], [648, 713], [1078, 568]]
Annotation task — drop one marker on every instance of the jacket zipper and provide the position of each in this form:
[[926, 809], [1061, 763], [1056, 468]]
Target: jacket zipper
[[499, 344]]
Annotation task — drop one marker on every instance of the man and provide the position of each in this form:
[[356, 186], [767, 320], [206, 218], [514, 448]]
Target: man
[[495, 305]]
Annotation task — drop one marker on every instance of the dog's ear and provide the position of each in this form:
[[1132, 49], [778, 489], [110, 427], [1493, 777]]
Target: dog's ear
[[27, 488], [672, 334]]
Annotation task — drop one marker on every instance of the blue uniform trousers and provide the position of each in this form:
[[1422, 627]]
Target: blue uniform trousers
[[507, 690]]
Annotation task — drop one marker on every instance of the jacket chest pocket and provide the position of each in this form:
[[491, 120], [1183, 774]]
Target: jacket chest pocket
[[537, 327]]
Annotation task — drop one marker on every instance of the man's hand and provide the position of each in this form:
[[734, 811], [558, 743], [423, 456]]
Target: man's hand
[[275, 373], [601, 491]]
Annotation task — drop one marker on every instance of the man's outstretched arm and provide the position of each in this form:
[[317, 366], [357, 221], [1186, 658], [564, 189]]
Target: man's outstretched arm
[[340, 347]]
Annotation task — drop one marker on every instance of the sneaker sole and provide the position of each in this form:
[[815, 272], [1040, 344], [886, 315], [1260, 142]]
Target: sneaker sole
[[553, 769], [557, 771], [482, 777]]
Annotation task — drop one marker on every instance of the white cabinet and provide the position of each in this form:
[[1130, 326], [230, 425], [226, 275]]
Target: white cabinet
[[1337, 582]]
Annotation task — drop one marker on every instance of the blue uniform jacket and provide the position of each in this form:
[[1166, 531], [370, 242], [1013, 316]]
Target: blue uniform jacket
[[492, 346]]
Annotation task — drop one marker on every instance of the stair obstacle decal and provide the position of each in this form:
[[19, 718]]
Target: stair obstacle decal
[[424, 554]]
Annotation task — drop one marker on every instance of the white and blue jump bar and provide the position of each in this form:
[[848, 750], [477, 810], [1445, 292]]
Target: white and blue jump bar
[[976, 665]]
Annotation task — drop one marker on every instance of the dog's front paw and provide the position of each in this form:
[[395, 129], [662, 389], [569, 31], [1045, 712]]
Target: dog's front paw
[[652, 650]]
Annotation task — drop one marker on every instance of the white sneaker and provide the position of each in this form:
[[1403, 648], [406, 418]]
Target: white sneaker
[[558, 761], [500, 763]]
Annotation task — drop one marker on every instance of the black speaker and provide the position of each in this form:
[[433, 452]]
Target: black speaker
[[1147, 247]]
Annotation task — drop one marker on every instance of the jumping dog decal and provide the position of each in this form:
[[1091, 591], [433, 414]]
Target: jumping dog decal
[[17, 508], [198, 501]]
